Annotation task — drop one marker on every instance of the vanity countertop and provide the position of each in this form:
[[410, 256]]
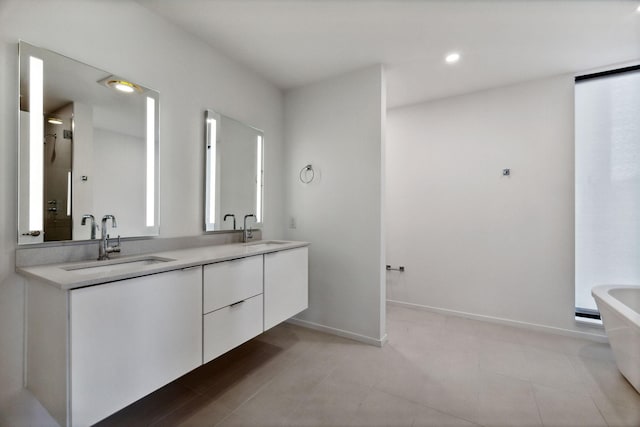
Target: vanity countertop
[[72, 275]]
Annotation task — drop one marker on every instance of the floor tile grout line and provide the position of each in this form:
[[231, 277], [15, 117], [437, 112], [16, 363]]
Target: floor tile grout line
[[237, 408], [599, 410], [159, 420], [558, 389], [203, 393], [601, 414], [535, 399], [199, 392], [425, 405]]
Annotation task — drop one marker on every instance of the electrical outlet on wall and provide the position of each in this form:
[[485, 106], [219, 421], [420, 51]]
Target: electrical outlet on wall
[[292, 222]]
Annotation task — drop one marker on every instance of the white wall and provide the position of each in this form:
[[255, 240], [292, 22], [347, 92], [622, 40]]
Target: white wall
[[472, 240], [237, 158], [127, 39], [337, 126], [83, 165], [119, 182]]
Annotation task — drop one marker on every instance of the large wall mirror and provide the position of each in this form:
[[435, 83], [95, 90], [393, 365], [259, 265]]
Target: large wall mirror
[[234, 173], [88, 145]]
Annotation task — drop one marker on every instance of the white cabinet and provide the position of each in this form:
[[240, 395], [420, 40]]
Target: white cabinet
[[131, 337], [286, 285], [92, 351], [230, 326], [232, 304], [228, 282]]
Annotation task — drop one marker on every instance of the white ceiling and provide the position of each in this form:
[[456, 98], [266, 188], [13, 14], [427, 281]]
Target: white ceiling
[[296, 42]]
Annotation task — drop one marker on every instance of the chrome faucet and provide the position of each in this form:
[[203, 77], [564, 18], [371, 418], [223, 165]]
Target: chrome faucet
[[94, 226], [247, 233], [103, 248], [234, 219]]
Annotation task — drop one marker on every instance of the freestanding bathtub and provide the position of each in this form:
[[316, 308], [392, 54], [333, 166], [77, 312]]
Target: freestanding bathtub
[[619, 307]]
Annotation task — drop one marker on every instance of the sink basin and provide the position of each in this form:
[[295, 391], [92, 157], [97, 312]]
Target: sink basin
[[264, 244], [114, 266]]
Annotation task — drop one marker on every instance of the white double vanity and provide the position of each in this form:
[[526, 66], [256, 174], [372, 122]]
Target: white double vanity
[[101, 335]]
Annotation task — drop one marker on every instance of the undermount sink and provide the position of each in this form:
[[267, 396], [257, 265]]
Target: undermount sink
[[264, 244], [113, 266]]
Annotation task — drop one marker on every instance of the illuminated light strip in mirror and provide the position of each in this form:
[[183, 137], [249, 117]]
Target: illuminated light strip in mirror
[[69, 193], [36, 139], [259, 181], [213, 125], [151, 166]]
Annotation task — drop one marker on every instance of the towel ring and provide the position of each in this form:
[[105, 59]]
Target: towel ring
[[304, 175]]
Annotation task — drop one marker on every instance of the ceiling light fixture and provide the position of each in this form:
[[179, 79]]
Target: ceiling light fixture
[[452, 58], [121, 85], [54, 121], [638, 9]]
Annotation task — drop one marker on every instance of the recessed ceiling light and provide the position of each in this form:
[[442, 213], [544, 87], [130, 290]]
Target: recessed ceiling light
[[638, 9], [121, 85], [452, 58], [54, 121]]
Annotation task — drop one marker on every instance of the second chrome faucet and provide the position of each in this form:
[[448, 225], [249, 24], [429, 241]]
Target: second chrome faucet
[[247, 233], [103, 248], [232, 216], [93, 225]]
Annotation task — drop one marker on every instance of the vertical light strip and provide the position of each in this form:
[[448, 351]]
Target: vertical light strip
[[259, 180], [151, 160], [213, 125], [36, 141], [69, 193]]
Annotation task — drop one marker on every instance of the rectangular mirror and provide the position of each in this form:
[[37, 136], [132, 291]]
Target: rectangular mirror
[[234, 173], [88, 145]]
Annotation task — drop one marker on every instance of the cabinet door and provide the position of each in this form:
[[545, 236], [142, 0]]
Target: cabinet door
[[230, 326], [286, 285], [228, 282], [129, 338]]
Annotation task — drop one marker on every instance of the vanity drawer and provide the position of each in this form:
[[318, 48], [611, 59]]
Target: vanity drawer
[[228, 327], [228, 282]]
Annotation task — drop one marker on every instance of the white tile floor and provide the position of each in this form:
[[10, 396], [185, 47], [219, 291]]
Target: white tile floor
[[435, 371]]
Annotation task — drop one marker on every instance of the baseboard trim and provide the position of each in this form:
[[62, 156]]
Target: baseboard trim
[[502, 321], [339, 332]]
